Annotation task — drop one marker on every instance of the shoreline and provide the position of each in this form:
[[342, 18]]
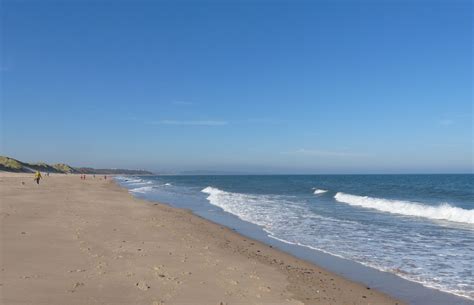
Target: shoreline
[[409, 291], [83, 234]]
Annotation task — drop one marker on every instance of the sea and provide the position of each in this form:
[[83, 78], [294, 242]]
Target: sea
[[417, 227]]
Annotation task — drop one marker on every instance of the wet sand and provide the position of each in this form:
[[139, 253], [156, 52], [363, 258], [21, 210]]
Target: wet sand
[[69, 241]]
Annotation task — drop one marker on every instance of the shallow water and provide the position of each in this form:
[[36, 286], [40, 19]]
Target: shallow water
[[419, 227]]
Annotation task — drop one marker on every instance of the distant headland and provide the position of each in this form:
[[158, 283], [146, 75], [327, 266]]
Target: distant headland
[[12, 165]]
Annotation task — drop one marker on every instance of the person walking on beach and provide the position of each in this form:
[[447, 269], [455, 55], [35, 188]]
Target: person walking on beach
[[38, 177]]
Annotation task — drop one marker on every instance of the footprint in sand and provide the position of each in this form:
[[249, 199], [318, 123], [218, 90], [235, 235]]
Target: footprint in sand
[[142, 285], [75, 286], [77, 270], [254, 276]]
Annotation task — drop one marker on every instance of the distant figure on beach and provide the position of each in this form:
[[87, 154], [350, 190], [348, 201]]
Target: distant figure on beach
[[105, 177], [38, 177]]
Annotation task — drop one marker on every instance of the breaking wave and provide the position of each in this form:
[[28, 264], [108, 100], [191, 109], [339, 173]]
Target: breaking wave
[[413, 248], [408, 208], [143, 189], [234, 203], [264, 210], [318, 191]]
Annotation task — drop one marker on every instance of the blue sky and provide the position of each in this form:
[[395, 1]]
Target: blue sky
[[253, 86]]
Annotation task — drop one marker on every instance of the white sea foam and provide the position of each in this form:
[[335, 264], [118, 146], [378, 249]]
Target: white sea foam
[[139, 183], [263, 210], [233, 203], [168, 184], [143, 189], [293, 221], [131, 180], [318, 191], [408, 208], [212, 190]]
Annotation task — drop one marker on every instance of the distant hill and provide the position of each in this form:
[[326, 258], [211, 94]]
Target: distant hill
[[12, 165]]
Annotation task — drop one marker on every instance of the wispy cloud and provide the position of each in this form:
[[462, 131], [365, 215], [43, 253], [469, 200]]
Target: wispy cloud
[[323, 153], [190, 123]]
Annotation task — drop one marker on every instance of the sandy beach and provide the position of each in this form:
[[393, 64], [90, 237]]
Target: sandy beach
[[69, 241]]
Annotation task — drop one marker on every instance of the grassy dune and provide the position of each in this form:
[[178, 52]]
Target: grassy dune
[[12, 165]]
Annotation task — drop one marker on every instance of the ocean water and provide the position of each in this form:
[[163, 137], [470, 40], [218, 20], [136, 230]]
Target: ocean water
[[419, 227]]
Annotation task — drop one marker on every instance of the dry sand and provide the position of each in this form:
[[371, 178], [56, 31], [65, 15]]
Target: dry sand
[[69, 241]]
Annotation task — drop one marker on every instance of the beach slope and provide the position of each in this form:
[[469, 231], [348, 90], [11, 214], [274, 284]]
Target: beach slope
[[69, 241]]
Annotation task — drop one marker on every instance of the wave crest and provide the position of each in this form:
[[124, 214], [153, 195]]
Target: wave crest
[[264, 210], [212, 190], [318, 191], [143, 189], [408, 208]]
